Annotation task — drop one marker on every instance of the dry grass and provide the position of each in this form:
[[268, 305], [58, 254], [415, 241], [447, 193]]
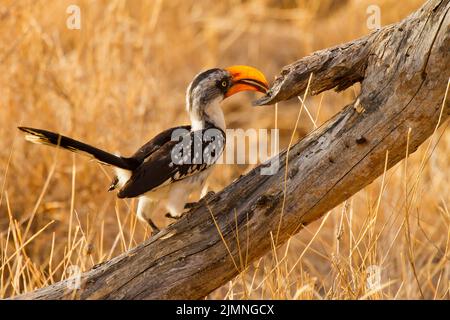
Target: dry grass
[[121, 79]]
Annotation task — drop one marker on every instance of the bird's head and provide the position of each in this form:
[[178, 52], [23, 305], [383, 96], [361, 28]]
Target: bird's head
[[212, 86]]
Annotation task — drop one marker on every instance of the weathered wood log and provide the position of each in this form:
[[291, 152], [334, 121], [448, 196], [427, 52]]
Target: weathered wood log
[[403, 70]]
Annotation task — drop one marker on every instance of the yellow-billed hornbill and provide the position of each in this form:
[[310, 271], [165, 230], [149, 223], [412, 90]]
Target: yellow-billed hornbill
[[177, 161]]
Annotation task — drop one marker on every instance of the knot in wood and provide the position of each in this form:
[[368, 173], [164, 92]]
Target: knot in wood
[[361, 140]]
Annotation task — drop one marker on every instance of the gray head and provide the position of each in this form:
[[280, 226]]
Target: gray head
[[212, 86], [207, 86]]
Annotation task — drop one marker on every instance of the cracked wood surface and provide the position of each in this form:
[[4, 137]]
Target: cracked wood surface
[[403, 70]]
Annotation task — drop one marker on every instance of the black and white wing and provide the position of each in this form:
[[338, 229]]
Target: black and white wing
[[146, 150], [185, 154], [157, 142]]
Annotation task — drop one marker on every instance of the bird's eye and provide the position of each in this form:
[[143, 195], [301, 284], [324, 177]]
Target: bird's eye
[[224, 84]]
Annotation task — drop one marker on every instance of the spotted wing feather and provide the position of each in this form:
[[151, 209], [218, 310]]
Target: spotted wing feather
[[163, 166], [157, 142]]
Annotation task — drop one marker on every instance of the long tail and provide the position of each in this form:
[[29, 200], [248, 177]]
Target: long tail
[[40, 136]]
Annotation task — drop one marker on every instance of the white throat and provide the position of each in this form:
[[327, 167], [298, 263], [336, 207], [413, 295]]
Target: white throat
[[213, 113]]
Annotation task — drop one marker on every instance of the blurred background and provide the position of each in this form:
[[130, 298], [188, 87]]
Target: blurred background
[[121, 78]]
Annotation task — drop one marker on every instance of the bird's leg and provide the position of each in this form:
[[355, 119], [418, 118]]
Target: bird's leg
[[177, 200], [155, 229], [144, 210], [188, 206]]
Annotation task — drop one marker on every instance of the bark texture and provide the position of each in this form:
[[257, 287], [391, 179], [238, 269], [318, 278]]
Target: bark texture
[[403, 70]]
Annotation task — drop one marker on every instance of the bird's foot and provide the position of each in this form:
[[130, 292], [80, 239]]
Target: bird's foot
[[208, 195], [190, 205], [168, 215]]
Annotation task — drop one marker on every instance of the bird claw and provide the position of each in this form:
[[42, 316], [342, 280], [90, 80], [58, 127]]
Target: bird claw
[[168, 215], [190, 205], [152, 225], [208, 195]]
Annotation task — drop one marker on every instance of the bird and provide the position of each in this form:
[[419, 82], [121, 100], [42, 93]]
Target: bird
[[176, 162]]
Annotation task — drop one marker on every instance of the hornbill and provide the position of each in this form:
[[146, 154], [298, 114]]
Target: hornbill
[[169, 167]]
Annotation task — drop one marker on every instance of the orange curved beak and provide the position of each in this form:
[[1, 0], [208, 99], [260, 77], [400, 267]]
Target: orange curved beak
[[246, 78]]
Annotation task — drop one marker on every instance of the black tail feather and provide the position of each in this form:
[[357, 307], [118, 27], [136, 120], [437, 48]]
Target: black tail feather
[[40, 136]]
